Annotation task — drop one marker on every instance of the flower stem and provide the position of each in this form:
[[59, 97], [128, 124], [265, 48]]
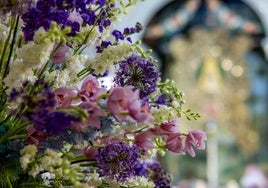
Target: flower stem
[[13, 42], [6, 45]]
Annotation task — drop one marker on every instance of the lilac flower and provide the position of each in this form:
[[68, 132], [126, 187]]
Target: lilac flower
[[138, 72], [118, 161]]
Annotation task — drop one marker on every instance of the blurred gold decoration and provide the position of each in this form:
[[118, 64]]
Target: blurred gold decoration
[[209, 67]]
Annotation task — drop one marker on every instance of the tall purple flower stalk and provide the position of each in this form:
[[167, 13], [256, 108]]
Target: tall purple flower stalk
[[38, 105], [59, 11], [138, 72], [118, 161]]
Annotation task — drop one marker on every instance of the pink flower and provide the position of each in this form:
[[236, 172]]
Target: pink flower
[[167, 128], [95, 112], [125, 105], [34, 136], [144, 140], [90, 152], [175, 143], [64, 96], [196, 139], [60, 55], [141, 113], [90, 89]]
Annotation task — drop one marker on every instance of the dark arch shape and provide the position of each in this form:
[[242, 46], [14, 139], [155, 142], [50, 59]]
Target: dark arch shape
[[199, 20]]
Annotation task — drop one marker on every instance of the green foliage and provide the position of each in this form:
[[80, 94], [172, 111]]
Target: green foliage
[[8, 173], [169, 89]]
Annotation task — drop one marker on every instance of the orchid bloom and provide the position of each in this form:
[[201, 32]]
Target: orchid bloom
[[196, 139], [95, 112], [64, 96], [175, 143], [125, 105], [90, 89], [144, 140], [166, 129]]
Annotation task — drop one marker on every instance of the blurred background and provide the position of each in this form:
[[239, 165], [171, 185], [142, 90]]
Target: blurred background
[[216, 51]]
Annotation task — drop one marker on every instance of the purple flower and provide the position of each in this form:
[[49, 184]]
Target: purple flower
[[101, 2], [138, 72], [89, 17], [132, 30], [57, 122], [44, 13], [158, 175], [118, 161], [118, 35], [161, 100], [104, 44]]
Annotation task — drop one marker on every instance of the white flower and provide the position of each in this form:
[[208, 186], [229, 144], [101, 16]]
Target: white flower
[[35, 170], [163, 114], [139, 181], [109, 56], [58, 78], [35, 55], [50, 160], [94, 180], [28, 154]]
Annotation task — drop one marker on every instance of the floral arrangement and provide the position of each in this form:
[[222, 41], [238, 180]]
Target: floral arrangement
[[61, 125]]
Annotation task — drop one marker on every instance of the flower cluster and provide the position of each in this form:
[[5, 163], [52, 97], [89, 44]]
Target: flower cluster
[[61, 124]]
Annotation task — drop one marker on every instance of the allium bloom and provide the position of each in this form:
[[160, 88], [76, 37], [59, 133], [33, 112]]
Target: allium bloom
[[138, 72], [195, 138], [118, 161]]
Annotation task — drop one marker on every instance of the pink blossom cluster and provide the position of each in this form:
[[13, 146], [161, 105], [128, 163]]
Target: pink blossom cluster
[[121, 102], [175, 141]]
